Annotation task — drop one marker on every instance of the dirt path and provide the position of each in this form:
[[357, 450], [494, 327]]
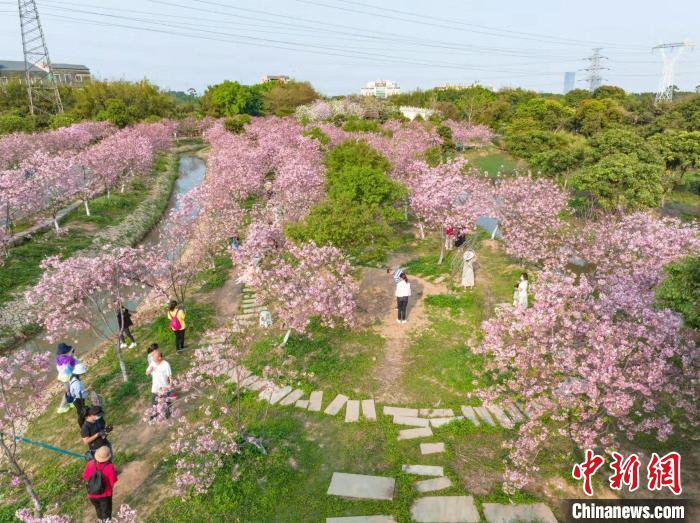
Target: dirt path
[[389, 371]]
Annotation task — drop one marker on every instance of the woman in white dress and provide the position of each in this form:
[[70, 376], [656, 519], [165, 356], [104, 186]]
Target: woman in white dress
[[468, 268], [522, 292]]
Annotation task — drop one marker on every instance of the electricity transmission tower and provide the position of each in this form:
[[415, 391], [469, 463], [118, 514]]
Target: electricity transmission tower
[[670, 53], [595, 78], [41, 84]]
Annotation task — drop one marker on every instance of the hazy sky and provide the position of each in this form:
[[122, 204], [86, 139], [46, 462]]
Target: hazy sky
[[339, 45]]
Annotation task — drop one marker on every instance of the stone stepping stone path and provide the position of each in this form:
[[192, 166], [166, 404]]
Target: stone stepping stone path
[[413, 422], [439, 422], [431, 448], [334, 406], [445, 509], [500, 415], [362, 519], [423, 470], [400, 411], [352, 411], [514, 412], [468, 412], [315, 401], [485, 416], [422, 432], [368, 410], [360, 486], [292, 398], [436, 413], [431, 485], [536, 512]]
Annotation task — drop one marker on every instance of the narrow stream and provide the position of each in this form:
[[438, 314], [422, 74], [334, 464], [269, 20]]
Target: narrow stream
[[191, 173]]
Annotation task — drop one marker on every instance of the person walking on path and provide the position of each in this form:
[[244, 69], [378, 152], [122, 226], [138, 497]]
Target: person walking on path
[[65, 363], [100, 476], [77, 393], [124, 322], [522, 291], [176, 317], [94, 431], [162, 378], [403, 291]]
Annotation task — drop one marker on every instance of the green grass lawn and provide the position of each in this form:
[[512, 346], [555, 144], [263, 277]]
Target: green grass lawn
[[493, 163]]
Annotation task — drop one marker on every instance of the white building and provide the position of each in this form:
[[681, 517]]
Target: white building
[[380, 89], [411, 112]]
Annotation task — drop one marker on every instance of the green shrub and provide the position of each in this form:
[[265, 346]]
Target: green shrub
[[680, 290], [236, 124], [356, 124]]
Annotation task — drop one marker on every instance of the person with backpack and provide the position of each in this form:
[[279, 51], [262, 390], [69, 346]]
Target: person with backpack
[[176, 317], [100, 476], [124, 322], [77, 394]]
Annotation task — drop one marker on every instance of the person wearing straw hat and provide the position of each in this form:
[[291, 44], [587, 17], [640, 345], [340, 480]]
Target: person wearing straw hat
[[77, 394], [468, 268], [100, 476]]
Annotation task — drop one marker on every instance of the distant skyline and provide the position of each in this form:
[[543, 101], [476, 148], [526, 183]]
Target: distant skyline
[[339, 45]]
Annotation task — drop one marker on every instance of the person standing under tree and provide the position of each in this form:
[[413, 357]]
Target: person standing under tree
[[124, 322], [468, 268], [65, 362], [176, 317], [403, 291], [100, 477], [522, 291], [161, 375]]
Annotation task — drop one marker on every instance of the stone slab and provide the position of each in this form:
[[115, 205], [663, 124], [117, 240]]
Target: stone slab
[[421, 432], [432, 448], [315, 401], [248, 382], [260, 385], [500, 415], [334, 406], [436, 413], [302, 404], [423, 470], [485, 416], [292, 398], [439, 422], [368, 410], [400, 411], [240, 376], [499, 513], [362, 519], [445, 509], [468, 412], [361, 486], [413, 422], [352, 411], [431, 485], [513, 412], [275, 395]]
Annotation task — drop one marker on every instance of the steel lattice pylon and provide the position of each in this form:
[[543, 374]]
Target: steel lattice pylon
[[670, 53], [595, 78], [41, 84]]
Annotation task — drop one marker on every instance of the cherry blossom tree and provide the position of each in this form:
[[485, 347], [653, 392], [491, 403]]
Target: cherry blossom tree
[[469, 135], [23, 397], [83, 292]]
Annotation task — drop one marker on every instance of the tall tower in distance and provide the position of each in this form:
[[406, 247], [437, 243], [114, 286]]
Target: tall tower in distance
[[670, 53], [569, 81], [42, 89], [595, 69]]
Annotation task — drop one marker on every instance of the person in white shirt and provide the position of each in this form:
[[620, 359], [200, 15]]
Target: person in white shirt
[[403, 291], [521, 302], [160, 373]]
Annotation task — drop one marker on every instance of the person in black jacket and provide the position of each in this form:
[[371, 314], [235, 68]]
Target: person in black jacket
[[124, 322]]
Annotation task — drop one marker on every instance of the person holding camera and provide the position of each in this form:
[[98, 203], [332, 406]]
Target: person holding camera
[[94, 431]]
